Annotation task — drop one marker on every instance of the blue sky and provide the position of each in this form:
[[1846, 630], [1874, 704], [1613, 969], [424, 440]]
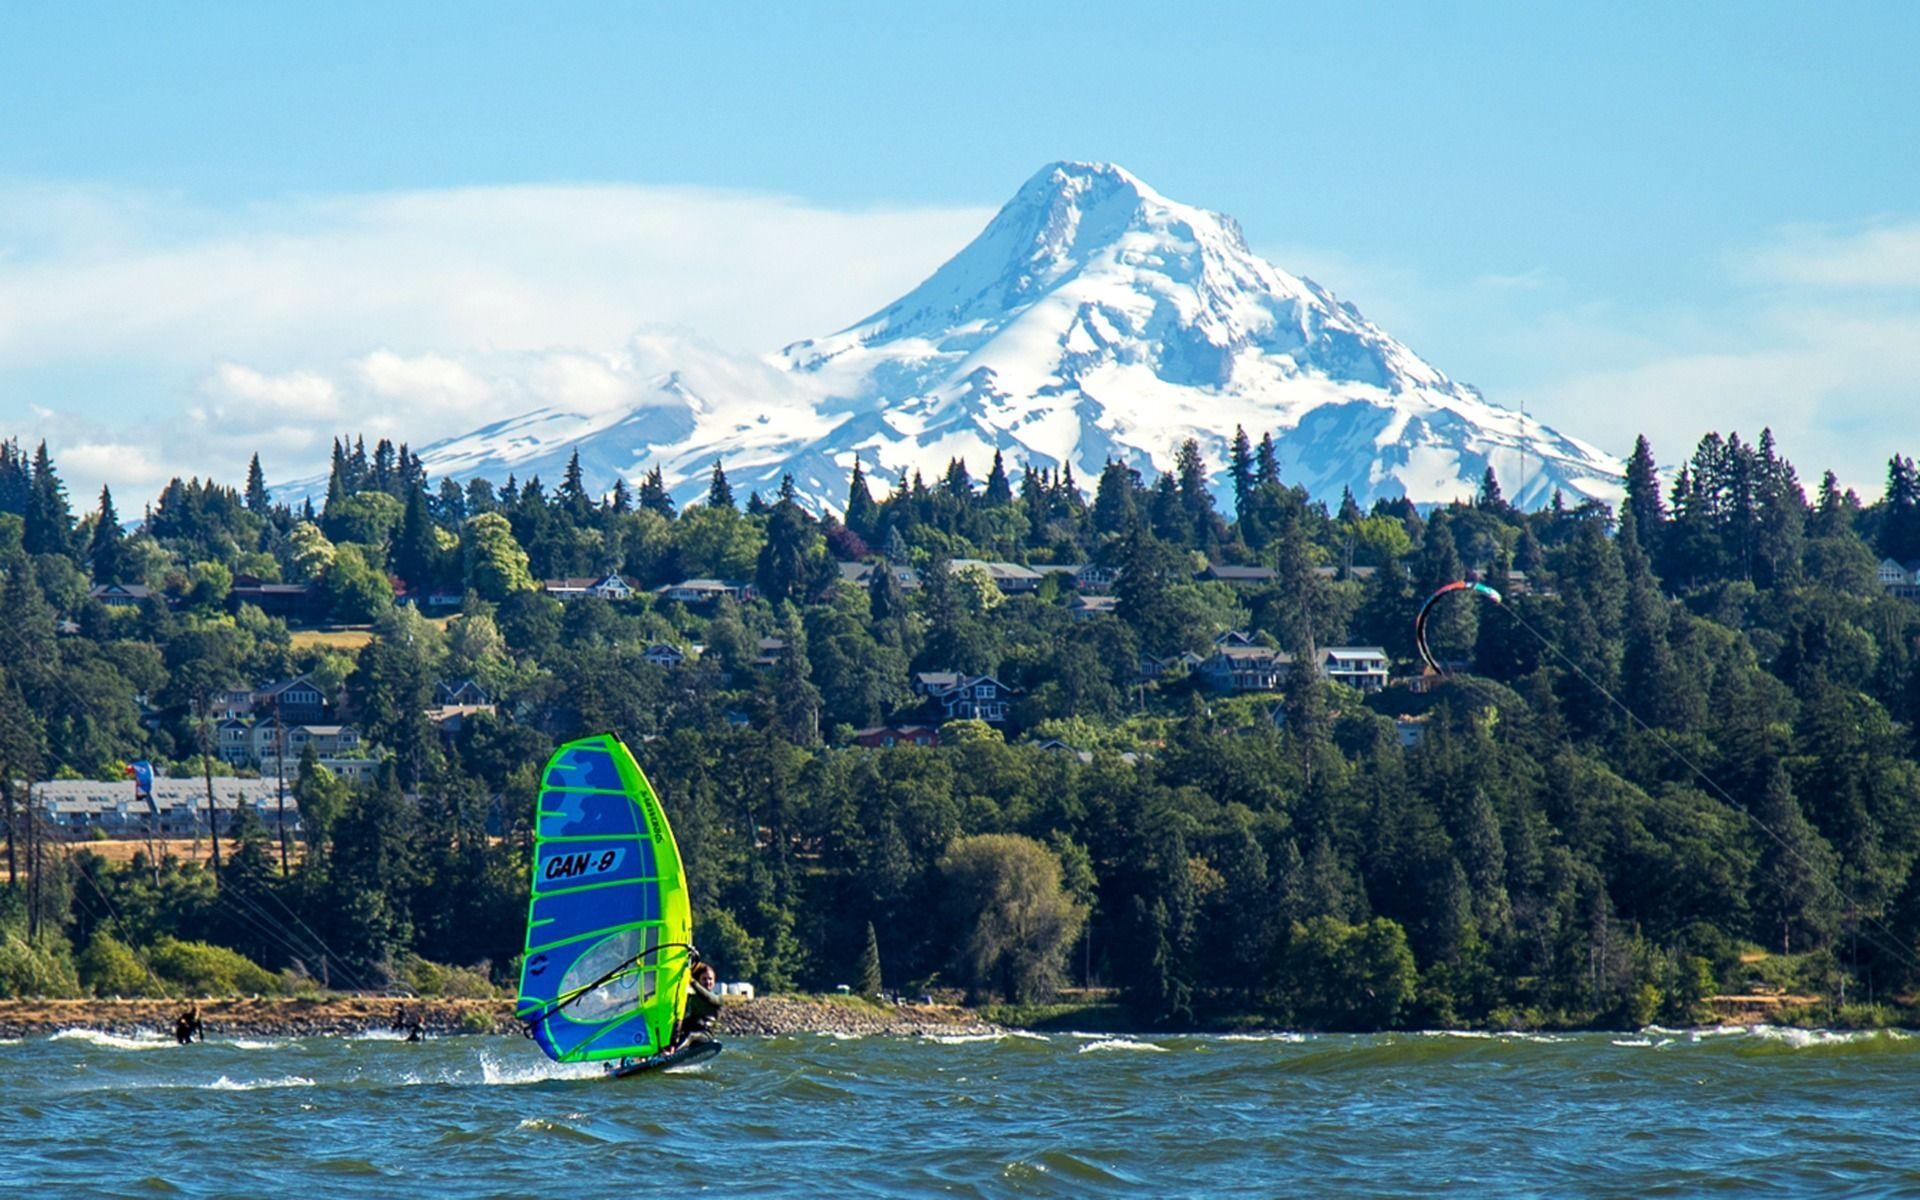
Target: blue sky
[[230, 225]]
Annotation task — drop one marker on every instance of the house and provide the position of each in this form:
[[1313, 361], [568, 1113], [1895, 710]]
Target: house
[[860, 574], [293, 701], [662, 654], [1233, 637], [1238, 576], [1357, 574], [1095, 578], [1011, 578], [119, 595], [460, 691], [1900, 581], [1363, 667], [266, 741], [449, 719], [1086, 608], [78, 809], [882, 736], [611, 586], [960, 697], [233, 741], [1235, 668], [1410, 730], [294, 602], [233, 702], [773, 651], [1151, 667], [705, 591]]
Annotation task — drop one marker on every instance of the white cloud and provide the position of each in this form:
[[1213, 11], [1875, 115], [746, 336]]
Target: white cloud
[[417, 314], [1882, 256]]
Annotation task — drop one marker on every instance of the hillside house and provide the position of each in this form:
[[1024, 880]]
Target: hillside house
[[1901, 581], [293, 701], [1011, 578], [1238, 576], [1086, 608], [959, 697], [663, 654], [611, 586], [119, 595], [1237, 669], [297, 603], [460, 691], [1363, 667], [705, 591]]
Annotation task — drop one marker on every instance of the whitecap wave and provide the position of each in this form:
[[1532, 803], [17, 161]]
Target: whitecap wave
[[1801, 1039], [1263, 1037], [1633, 1041], [498, 1074], [224, 1084], [252, 1044], [962, 1039], [1113, 1043], [142, 1040], [838, 1036]]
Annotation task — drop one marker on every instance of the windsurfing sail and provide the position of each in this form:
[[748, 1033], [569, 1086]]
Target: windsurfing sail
[[608, 926], [1420, 618]]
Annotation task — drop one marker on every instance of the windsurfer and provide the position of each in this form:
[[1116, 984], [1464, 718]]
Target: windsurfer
[[702, 1007]]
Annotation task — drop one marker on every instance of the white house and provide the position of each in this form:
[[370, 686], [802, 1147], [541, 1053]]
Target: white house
[[1364, 667]]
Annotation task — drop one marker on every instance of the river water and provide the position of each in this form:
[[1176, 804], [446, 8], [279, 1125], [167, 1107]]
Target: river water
[[1730, 1111]]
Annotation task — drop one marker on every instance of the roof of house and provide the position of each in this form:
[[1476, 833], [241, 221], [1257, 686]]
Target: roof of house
[[1242, 574], [1252, 654], [1354, 653]]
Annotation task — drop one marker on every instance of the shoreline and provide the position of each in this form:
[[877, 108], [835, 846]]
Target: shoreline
[[335, 1016]]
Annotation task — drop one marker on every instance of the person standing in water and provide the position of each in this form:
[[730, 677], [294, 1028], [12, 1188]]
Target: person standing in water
[[702, 1006]]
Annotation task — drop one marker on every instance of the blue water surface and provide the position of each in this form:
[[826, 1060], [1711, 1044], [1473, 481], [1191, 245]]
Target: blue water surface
[[1729, 1112]]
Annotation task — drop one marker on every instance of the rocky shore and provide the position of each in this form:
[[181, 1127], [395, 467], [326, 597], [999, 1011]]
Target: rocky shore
[[338, 1015]]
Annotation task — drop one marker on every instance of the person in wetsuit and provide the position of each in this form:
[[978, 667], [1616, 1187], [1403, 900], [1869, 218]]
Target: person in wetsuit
[[702, 1007], [188, 1027]]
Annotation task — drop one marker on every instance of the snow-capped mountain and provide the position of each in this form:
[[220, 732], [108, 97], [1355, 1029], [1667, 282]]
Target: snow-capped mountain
[[1092, 319]]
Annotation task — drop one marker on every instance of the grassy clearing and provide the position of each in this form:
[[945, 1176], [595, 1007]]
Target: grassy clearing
[[332, 639]]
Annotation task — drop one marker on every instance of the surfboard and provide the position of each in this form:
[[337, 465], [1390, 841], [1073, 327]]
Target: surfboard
[[684, 1056]]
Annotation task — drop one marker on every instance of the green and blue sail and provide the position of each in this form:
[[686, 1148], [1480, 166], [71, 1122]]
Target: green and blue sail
[[608, 925]]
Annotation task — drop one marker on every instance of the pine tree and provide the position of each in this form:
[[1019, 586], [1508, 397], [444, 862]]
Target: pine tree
[[621, 501], [416, 552], [719, 491], [49, 522], [654, 496], [1266, 469], [257, 500], [867, 974], [1241, 466], [1113, 510], [107, 551], [999, 491], [861, 509], [1643, 495], [573, 492]]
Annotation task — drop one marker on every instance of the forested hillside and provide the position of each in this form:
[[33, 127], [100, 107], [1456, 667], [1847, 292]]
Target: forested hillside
[[1681, 759]]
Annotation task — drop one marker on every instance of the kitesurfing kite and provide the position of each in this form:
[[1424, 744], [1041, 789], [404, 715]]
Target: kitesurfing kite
[[1420, 618], [609, 927]]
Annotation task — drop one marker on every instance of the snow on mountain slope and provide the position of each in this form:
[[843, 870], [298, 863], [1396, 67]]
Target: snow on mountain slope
[[1092, 319]]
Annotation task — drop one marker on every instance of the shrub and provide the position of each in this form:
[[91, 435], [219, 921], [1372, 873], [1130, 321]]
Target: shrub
[[109, 968], [436, 979], [200, 969], [40, 968]]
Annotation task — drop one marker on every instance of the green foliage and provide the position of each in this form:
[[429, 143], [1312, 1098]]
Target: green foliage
[[440, 981], [1539, 857], [108, 967], [200, 969]]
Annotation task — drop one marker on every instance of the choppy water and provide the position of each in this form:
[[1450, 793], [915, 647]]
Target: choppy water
[[1767, 1112]]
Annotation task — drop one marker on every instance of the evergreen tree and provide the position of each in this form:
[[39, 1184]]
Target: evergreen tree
[[1241, 467], [654, 496], [1643, 495], [620, 502], [49, 522], [867, 977], [573, 492], [999, 492], [1112, 504], [1266, 463], [107, 552], [719, 491], [861, 510], [1900, 517], [257, 501], [416, 553]]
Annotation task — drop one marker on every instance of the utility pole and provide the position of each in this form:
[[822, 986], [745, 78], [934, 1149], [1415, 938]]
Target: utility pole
[[206, 771], [280, 778], [33, 869]]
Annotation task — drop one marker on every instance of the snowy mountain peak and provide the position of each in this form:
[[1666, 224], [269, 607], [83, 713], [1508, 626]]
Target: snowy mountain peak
[[1092, 319]]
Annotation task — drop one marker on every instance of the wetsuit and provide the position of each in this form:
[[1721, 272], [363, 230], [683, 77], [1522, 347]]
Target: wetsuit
[[702, 1006]]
